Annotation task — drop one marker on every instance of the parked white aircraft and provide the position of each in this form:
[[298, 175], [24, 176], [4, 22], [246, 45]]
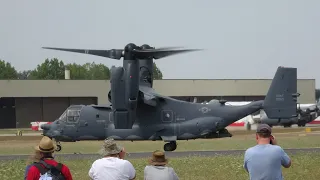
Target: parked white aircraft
[[307, 114]]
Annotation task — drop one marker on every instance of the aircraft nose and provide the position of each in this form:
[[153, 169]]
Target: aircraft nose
[[45, 126]]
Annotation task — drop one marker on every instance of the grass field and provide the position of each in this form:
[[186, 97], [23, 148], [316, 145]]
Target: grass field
[[305, 166], [291, 140]]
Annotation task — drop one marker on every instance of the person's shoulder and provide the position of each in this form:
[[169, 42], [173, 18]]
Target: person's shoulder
[[64, 166], [32, 167], [123, 162], [98, 160], [278, 148], [150, 167], [275, 147], [250, 149]]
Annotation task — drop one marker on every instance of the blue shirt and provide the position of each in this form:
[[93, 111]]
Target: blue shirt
[[263, 162]]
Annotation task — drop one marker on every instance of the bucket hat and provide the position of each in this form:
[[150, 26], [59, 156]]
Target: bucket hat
[[46, 145], [158, 158], [110, 147]]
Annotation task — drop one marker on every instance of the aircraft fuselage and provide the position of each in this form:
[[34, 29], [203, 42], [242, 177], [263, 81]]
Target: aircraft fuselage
[[170, 121]]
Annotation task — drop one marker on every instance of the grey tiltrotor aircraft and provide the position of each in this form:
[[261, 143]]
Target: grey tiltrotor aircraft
[[137, 112]]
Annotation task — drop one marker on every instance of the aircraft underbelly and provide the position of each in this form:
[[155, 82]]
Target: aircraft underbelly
[[196, 128], [188, 129], [279, 122], [136, 133]]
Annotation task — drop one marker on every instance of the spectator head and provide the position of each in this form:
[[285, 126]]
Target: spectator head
[[45, 148], [263, 131], [110, 148], [158, 159]]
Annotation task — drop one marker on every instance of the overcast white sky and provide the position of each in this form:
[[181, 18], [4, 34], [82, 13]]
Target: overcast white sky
[[242, 38]]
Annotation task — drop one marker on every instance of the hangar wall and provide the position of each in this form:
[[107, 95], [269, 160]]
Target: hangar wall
[[100, 88], [24, 110]]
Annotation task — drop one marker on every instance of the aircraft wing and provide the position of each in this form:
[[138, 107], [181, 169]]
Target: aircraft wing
[[150, 97], [102, 106]]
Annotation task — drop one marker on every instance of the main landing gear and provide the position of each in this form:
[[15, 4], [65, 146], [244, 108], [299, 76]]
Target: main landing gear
[[57, 144], [171, 146], [58, 147], [302, 124]]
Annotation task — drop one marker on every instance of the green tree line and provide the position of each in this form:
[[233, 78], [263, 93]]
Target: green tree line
[[54, 69]]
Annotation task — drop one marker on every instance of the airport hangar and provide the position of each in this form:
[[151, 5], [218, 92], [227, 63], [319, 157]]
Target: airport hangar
[[26, 101]]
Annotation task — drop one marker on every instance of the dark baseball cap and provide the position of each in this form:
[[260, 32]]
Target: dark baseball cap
[[263, 128]]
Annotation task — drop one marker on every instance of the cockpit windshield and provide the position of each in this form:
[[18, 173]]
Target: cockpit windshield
[[71, 115], [63, 117]]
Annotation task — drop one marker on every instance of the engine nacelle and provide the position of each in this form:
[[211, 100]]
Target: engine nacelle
[[117, 89], [132, 84], [124, 94], [117, 97]]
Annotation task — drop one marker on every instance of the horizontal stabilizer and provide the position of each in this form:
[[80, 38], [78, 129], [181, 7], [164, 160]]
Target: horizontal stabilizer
[[107, 106]]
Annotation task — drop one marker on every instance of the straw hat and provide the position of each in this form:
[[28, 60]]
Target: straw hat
[[45, 145], [158, 158], [110, 147]]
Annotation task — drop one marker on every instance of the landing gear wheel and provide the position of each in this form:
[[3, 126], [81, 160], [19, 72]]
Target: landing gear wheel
[[171, 146], [302, 124], [58, 148]]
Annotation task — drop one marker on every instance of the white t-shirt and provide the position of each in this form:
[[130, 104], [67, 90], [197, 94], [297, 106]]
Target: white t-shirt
[[112, 168], [159, 173]]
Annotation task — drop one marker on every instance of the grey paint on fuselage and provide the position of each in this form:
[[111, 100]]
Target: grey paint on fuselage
[[163, 118], [169, 122]]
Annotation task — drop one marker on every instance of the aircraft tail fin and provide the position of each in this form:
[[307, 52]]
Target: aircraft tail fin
[[281, 99]]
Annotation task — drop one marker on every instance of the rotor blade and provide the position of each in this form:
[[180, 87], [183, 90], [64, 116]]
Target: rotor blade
[[160, 53], [167, 48], [113, 53]]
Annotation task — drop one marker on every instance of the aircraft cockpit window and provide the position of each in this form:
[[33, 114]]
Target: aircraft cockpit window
[[63, 117], [73, 115]]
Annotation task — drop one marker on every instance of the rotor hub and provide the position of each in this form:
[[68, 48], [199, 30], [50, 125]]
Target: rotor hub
[[130, 47], [146, 46]]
